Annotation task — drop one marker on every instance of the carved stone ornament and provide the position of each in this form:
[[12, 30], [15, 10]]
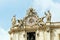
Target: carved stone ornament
[[30, 21], [31, 11], [32, 17]]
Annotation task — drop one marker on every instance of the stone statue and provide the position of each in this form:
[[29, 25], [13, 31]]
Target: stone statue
[[48, 16], [41, 22], [20, 22], [41, 19], [13, 20], [31, 11]]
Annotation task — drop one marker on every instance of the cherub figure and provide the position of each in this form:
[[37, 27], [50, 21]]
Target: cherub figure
[[19, 22], [41, 19]]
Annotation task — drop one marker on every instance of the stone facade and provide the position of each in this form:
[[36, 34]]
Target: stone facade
[[31, 27]]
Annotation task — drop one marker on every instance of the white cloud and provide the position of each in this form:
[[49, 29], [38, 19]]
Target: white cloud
[[4, 34], [44, 5]]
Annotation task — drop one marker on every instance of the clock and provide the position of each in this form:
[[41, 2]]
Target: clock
[[30, 21]]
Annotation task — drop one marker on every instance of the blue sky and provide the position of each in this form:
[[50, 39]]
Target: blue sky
[[8, 8]]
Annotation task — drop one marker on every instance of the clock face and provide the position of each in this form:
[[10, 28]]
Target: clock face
[[30, 21]]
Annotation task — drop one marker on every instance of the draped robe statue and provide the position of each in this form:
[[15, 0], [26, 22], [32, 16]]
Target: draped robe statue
[[13, 20], [48, 16]]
